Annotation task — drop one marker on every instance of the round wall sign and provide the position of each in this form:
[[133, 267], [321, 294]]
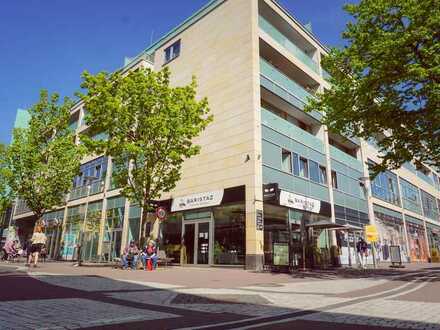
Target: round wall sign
[[161, 213]]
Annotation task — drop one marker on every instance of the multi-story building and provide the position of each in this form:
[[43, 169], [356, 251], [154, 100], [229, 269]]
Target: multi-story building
[[258, 66]]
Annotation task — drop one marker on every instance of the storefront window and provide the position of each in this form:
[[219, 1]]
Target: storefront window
[[384, 186], [276, 233], [229, 233], [171, 236], [113, 228], [391, 232], [417, 242], [91, 231], [134, 224], [74, 220]]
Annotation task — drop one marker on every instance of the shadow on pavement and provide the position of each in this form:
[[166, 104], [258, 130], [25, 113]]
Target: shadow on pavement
[[102, 303]]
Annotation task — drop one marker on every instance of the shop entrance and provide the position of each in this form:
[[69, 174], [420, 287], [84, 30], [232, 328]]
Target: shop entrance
[[197, 240]]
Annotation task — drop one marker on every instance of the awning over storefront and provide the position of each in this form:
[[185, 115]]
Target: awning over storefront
[[325, 224]]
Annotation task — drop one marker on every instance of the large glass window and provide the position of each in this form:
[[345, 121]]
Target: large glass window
[[171, 236], [74, 221], [384, 186], [410, 196], [229, 234], [91, 231], [113, 227], [91, 172], [276, 233], [429, 204], [134, 224], [286, 161]]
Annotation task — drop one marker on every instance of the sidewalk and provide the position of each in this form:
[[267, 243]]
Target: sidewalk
[[219, 277]]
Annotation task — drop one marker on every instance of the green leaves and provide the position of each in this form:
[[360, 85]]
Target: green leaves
[[150, 127], [386, 81], [43, 159]]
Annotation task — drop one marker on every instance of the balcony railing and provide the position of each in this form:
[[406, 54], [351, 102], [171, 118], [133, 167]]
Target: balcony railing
[[295, 89], [289, 45], [80, 192], [345, 158], [283, 126]]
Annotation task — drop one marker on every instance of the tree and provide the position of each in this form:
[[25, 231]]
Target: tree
[[43, 159], [150, 128], [6, 195], [385, 84], [5, 192]]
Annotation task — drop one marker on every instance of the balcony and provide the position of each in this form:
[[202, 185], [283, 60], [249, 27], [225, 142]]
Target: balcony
[[345, 158], [286, 43], [280, 84], [281, 125], [80, 192]]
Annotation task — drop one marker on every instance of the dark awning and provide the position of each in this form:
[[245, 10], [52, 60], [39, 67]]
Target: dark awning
[[326, 224]]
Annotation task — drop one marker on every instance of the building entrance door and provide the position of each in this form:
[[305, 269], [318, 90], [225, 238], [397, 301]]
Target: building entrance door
[[197, 239]]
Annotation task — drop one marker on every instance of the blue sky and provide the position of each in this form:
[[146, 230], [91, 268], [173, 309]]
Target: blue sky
[[48, 43]]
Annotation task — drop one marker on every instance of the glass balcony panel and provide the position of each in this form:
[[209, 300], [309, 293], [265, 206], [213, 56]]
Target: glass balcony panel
[[286, 43]]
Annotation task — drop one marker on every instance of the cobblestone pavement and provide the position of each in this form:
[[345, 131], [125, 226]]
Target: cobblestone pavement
[[63, 297]]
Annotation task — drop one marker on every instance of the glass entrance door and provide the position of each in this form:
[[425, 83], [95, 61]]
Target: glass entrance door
[[197, 241]]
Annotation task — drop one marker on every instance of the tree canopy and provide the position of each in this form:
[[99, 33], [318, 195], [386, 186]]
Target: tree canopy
[[150, 127], [385, 84], [43, 159], [6, 195]]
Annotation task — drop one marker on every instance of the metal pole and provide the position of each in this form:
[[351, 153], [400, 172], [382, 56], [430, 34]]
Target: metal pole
[[348, 246]]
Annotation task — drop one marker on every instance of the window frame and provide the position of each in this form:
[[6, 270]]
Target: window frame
[[171, 49]]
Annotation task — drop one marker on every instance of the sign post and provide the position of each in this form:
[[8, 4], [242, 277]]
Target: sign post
[[372, 236]]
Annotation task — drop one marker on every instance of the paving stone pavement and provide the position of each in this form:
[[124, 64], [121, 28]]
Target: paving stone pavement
[[100, 302], [69, 313]]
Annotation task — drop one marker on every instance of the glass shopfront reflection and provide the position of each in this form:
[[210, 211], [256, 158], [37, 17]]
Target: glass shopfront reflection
[[291, 240], [229, 235], [205, 236]]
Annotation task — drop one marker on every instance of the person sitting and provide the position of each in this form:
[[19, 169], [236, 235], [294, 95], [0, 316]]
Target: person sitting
[[131, 254], [150, 255]]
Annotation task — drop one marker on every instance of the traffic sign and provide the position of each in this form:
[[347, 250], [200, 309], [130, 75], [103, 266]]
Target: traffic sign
[[161, 213]]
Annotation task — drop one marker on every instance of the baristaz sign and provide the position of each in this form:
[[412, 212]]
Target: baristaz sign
[[299, 202], [195, 201], [259, 220]]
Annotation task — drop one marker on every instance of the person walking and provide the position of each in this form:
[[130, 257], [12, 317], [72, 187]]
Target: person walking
[[362, 251], [38, 240]]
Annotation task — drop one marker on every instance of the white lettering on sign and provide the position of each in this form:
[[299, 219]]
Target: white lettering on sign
[[196, 201], [299, 202]]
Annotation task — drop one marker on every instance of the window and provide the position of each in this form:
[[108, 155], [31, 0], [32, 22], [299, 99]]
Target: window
[[314, 171], [286, 161], [322, 175], [295, 164], [303, 167], [334, 180], [172, 51]]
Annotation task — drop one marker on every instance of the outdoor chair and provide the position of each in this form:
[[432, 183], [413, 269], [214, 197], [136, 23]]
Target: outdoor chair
[[163, 259]]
